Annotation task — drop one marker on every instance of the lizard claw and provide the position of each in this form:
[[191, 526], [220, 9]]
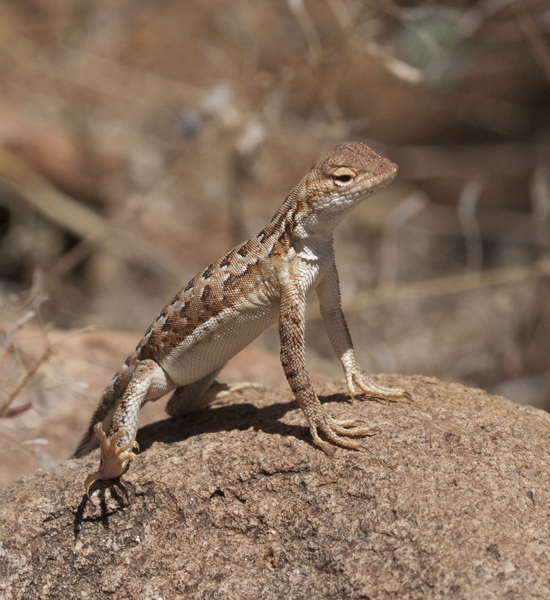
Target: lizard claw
[[334, 431], [113, 458], [377, 392]]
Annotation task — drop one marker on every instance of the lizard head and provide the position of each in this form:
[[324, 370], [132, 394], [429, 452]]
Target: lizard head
[[337, 182], [348, 175]]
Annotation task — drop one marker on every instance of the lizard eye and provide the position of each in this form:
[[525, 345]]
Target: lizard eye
[[343, 175]]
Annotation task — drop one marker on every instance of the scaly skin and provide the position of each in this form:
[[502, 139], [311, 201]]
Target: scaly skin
[[236, 298]]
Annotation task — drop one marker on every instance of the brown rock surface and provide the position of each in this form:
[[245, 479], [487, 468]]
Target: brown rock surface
[[452, 498]]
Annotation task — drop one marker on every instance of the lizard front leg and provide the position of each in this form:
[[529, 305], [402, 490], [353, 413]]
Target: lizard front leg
[[148, 381], [291, 333], [328, 292]]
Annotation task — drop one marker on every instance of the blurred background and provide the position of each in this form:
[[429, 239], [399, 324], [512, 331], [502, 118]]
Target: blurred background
[[140, 140]]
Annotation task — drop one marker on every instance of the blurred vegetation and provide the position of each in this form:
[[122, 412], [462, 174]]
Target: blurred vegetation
[[140, 140]]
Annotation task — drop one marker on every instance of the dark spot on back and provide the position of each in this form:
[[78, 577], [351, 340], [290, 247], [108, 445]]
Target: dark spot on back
[[207, 273], [206, 293], [189, 286], [233, 280], [245, 248], [227, 259], [175, 298]]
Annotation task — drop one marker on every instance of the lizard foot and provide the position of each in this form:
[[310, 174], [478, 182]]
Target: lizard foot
[[113, 458], [360, 383], [334, 429]]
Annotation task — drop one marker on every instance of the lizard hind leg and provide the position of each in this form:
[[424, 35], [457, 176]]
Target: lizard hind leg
[[189, 398], [110, 399], [149, 381]]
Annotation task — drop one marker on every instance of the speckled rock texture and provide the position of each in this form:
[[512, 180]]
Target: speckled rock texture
[[451, 499]]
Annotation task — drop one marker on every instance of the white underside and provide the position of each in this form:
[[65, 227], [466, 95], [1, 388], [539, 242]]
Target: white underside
[[220, 339]]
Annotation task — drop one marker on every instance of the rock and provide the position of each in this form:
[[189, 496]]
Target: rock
[[451, 498]]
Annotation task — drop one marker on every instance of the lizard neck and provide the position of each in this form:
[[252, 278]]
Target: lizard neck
[[312, 248], [300, 229]]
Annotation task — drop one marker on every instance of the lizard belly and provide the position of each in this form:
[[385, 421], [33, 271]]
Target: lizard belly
[[218, 340]]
